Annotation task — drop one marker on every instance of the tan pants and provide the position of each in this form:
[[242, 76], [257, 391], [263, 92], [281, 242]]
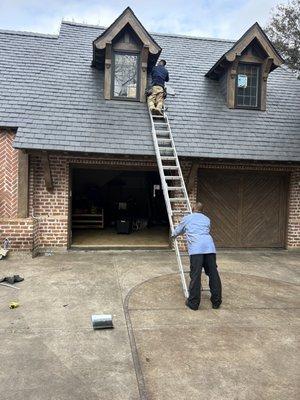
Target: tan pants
[[156, 99]]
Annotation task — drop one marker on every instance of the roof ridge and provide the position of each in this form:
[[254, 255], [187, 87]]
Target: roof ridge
[[152, 33], [66, 22], [83, 25], [193, 37], [28, 33]]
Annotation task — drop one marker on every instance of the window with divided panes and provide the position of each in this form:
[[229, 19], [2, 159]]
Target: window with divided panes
[[125, 79], [248, 86]]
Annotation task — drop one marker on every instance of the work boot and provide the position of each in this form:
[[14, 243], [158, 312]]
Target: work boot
[[18, 278], [188, 305], [10, 280]]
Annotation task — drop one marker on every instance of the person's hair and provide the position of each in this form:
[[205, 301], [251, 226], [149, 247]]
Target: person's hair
[[198, 207], [163, 62]]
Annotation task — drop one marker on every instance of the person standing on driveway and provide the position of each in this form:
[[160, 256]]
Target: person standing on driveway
[[202, 252], [159, 75]]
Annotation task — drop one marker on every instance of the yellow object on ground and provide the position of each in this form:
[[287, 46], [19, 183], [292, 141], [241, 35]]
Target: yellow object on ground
[[13, 304]]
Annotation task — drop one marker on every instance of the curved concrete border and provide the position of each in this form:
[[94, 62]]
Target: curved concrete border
[[134, 351]]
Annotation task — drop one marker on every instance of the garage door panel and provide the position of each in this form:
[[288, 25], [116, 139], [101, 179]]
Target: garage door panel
[[221, 205], [261, 211], [247, 209]]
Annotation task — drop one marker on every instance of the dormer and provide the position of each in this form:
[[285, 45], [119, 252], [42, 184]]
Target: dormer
[[243, 70], [125, 51]]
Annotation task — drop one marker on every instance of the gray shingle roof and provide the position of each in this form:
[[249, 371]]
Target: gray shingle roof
[[52, 95]]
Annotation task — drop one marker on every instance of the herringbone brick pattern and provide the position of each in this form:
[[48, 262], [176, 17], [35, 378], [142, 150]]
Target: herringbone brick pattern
[[8, 176], [48, 225], [294, 211]]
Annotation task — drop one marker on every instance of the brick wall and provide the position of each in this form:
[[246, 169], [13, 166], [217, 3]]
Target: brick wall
[[19, 232], [293, 230], [47, 225], [49, 210]]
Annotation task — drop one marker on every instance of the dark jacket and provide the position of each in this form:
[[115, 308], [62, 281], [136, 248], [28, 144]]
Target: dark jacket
[[159, 75]]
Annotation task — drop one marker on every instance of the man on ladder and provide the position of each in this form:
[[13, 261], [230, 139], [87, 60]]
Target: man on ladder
[[202, 252], [159, 75]]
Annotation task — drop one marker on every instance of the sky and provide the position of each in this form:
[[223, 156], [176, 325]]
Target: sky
[[227, 19]]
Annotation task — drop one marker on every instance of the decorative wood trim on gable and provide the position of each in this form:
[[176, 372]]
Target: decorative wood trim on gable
[[268, 58], [144, 67], [107, 71], [265, 70], [105, 44], [47, 172], [127, 17], [255, 32], [231, 77]]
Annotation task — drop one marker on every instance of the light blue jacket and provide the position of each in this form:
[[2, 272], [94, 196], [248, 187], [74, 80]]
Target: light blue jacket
[[196, 227]]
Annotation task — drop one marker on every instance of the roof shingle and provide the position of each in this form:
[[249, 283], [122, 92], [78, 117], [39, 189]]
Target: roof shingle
[[50, 92]]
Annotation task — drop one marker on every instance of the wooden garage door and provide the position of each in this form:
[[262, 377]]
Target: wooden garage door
[[246, 209]]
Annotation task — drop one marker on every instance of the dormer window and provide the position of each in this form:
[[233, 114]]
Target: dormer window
[[127, 48], [247, 90], [244, 69], [125, 75], [126, 52]]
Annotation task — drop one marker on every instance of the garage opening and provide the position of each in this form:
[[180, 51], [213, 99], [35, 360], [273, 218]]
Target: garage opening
[[118, 209]]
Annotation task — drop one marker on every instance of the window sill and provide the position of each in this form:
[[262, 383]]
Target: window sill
[[125, 99]]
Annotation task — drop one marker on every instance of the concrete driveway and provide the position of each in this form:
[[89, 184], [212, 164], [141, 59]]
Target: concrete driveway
[[159, 349]]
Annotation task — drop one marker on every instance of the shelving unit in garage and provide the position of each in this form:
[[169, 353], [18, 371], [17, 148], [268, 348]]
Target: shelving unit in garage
[[88, 221]]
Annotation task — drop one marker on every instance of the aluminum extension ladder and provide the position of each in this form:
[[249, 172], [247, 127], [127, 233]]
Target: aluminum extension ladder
[[173, 185]]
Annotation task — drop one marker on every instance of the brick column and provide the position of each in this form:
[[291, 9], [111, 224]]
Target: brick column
[[8, 176], [293, 230], [19, 231]]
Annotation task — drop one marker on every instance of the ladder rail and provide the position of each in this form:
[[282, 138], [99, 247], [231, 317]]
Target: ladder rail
[[161, 173], [179, 167], [166, 192]]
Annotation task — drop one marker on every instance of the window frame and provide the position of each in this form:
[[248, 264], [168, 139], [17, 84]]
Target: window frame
[[259, 87], [138, 86]]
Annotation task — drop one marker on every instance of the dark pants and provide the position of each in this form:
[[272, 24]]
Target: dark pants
[[208, 262]]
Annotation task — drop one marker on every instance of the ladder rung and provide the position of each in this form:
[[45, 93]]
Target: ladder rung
[[169, 167], [164, 140], [160, 123], [175, 178], [165, 148], [175, 187], [167, 158], [157, 116], [174, 199]]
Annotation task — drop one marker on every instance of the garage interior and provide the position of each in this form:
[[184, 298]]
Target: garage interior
[[121, 209]]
